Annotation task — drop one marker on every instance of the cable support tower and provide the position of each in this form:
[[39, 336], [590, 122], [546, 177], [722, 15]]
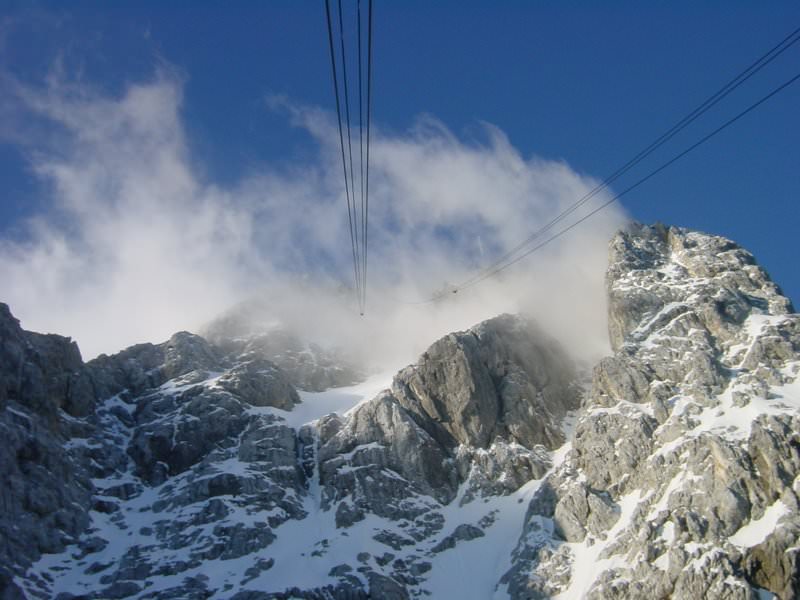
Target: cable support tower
[[356, 193], [510, 257]]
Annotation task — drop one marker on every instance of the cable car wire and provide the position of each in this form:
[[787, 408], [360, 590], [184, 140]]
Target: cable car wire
[[729, 87], [508, 257], [366, 173], [350, 153], [341, 144], [561, 232], [361, 152]]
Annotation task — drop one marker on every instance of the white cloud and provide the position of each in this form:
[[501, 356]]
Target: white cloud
[[136, 244]]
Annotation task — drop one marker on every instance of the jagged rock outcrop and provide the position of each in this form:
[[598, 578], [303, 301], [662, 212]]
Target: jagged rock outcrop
[[382, 435], [479, 406], [147, 366], [650, 268], [92, 437], [682, 477], [44, 496], [501, 380], [260, 383], [43, 372]]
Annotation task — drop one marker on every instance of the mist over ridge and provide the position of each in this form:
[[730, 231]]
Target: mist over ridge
[[135, 243]]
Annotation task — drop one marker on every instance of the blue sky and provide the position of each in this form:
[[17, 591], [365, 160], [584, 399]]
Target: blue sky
[[583, 84]]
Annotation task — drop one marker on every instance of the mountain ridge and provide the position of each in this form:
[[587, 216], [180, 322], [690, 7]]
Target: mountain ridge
[[174, 470]]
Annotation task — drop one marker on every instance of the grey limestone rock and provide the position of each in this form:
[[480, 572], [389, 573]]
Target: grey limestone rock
[[478, 406], [689, 436], [200, 420], [42, 372], [380, 435], [260, 383], [502, 379], [462, 533], [381, 586], [249, 330], [45, 492], [774, 563], [145, 366], [580, 509], [609, 446], [500, 469], [719, 278]]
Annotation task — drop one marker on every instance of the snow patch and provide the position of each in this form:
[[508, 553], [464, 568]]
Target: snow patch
[[587, 566], [315, 405], [757, 531], [471, 570]]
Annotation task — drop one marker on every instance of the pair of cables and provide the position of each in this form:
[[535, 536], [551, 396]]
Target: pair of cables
[[357, 199], [539, 238]]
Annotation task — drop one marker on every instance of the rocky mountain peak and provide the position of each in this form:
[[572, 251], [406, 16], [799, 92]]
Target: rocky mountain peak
[[44, 372], [681, 480], [653, 267], [252, 464]]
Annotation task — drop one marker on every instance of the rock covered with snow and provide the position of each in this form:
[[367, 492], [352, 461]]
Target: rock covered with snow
[[479, 406], [247, 330], [203, 461], [468, 421], [44, 496], [85, 444], [195, 468], [682, 479]]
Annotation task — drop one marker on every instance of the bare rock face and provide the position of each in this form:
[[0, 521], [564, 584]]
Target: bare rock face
[[45, 372], [146, 366], [308, 366], [480, 405], [381, 434], [44, 496], [504, 379], [501, 469], [260, 383], [682, 476]]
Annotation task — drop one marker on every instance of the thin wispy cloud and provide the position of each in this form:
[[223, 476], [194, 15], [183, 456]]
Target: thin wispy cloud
[[136, 243]]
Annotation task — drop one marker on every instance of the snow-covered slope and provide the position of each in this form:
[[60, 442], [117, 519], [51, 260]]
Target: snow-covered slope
[[207, 527], [196, 469]]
